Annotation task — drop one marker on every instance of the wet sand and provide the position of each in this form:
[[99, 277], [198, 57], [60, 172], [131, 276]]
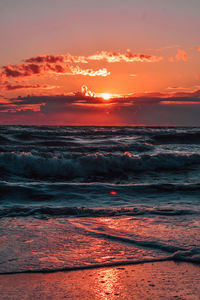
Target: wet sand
[[163, 280]]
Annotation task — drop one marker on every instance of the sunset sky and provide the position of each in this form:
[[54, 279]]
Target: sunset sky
[[87, 62]]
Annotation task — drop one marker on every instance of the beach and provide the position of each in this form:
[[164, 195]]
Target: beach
[[164, 280], [99, 212]]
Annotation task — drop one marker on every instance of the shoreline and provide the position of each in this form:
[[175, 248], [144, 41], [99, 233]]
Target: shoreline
[[154, 280]]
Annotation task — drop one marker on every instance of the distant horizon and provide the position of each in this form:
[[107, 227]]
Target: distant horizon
[[149, 126]]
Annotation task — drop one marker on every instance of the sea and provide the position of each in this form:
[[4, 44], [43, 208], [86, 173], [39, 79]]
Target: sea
[[87, 197]]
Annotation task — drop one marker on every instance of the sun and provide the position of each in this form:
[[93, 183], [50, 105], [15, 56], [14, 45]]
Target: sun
[[106, 96]]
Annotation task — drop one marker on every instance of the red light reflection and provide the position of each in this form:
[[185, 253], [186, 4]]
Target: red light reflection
[[113, 192]]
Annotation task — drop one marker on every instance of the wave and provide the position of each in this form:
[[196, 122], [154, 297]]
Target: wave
[[56, 211], [64, 143], [95, 194], [86, 267], [4, 139], [47, 165], [177, 138], [73, 147], [191, 256], [160, 134]]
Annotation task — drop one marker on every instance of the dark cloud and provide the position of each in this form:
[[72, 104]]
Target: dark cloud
[[86, 108], [49, 58], [80, 99], [45, 58], [24, 70], [21, 70], [11, 87]]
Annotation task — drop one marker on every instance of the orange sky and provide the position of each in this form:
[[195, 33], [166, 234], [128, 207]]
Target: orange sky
[[122, 49], [104, 71]]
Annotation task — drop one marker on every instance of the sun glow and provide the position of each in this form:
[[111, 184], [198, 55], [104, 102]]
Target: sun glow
[[106, 96]]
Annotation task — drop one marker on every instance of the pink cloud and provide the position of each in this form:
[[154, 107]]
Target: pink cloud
[[113, 57], [64, 64], [181, 55], [101, 55]]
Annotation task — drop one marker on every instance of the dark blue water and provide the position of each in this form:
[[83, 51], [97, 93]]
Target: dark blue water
[[144, 181]]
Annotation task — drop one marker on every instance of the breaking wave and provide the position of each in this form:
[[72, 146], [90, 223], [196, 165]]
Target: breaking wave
[[37, 165]]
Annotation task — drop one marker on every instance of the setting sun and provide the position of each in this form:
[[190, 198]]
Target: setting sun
[[106, 96]]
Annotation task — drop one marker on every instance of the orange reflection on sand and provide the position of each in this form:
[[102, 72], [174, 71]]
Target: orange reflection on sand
[[107, 282], [144, 281]]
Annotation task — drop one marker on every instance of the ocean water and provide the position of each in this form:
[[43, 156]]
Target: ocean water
[[83, 197]]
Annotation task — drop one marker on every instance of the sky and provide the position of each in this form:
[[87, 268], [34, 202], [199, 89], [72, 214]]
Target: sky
[[89, 62]]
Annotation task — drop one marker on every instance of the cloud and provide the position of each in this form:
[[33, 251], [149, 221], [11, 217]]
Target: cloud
[[101, 55], [28, 70], [21, 70], [88, 97], [181, 55], [184, 88], [45, 58], [48, 58], [85, 108], [10, 87], [179, 88], [67, 64], [56, 69], [89, 72], [86, 92], [198, 48], [113, 57]]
